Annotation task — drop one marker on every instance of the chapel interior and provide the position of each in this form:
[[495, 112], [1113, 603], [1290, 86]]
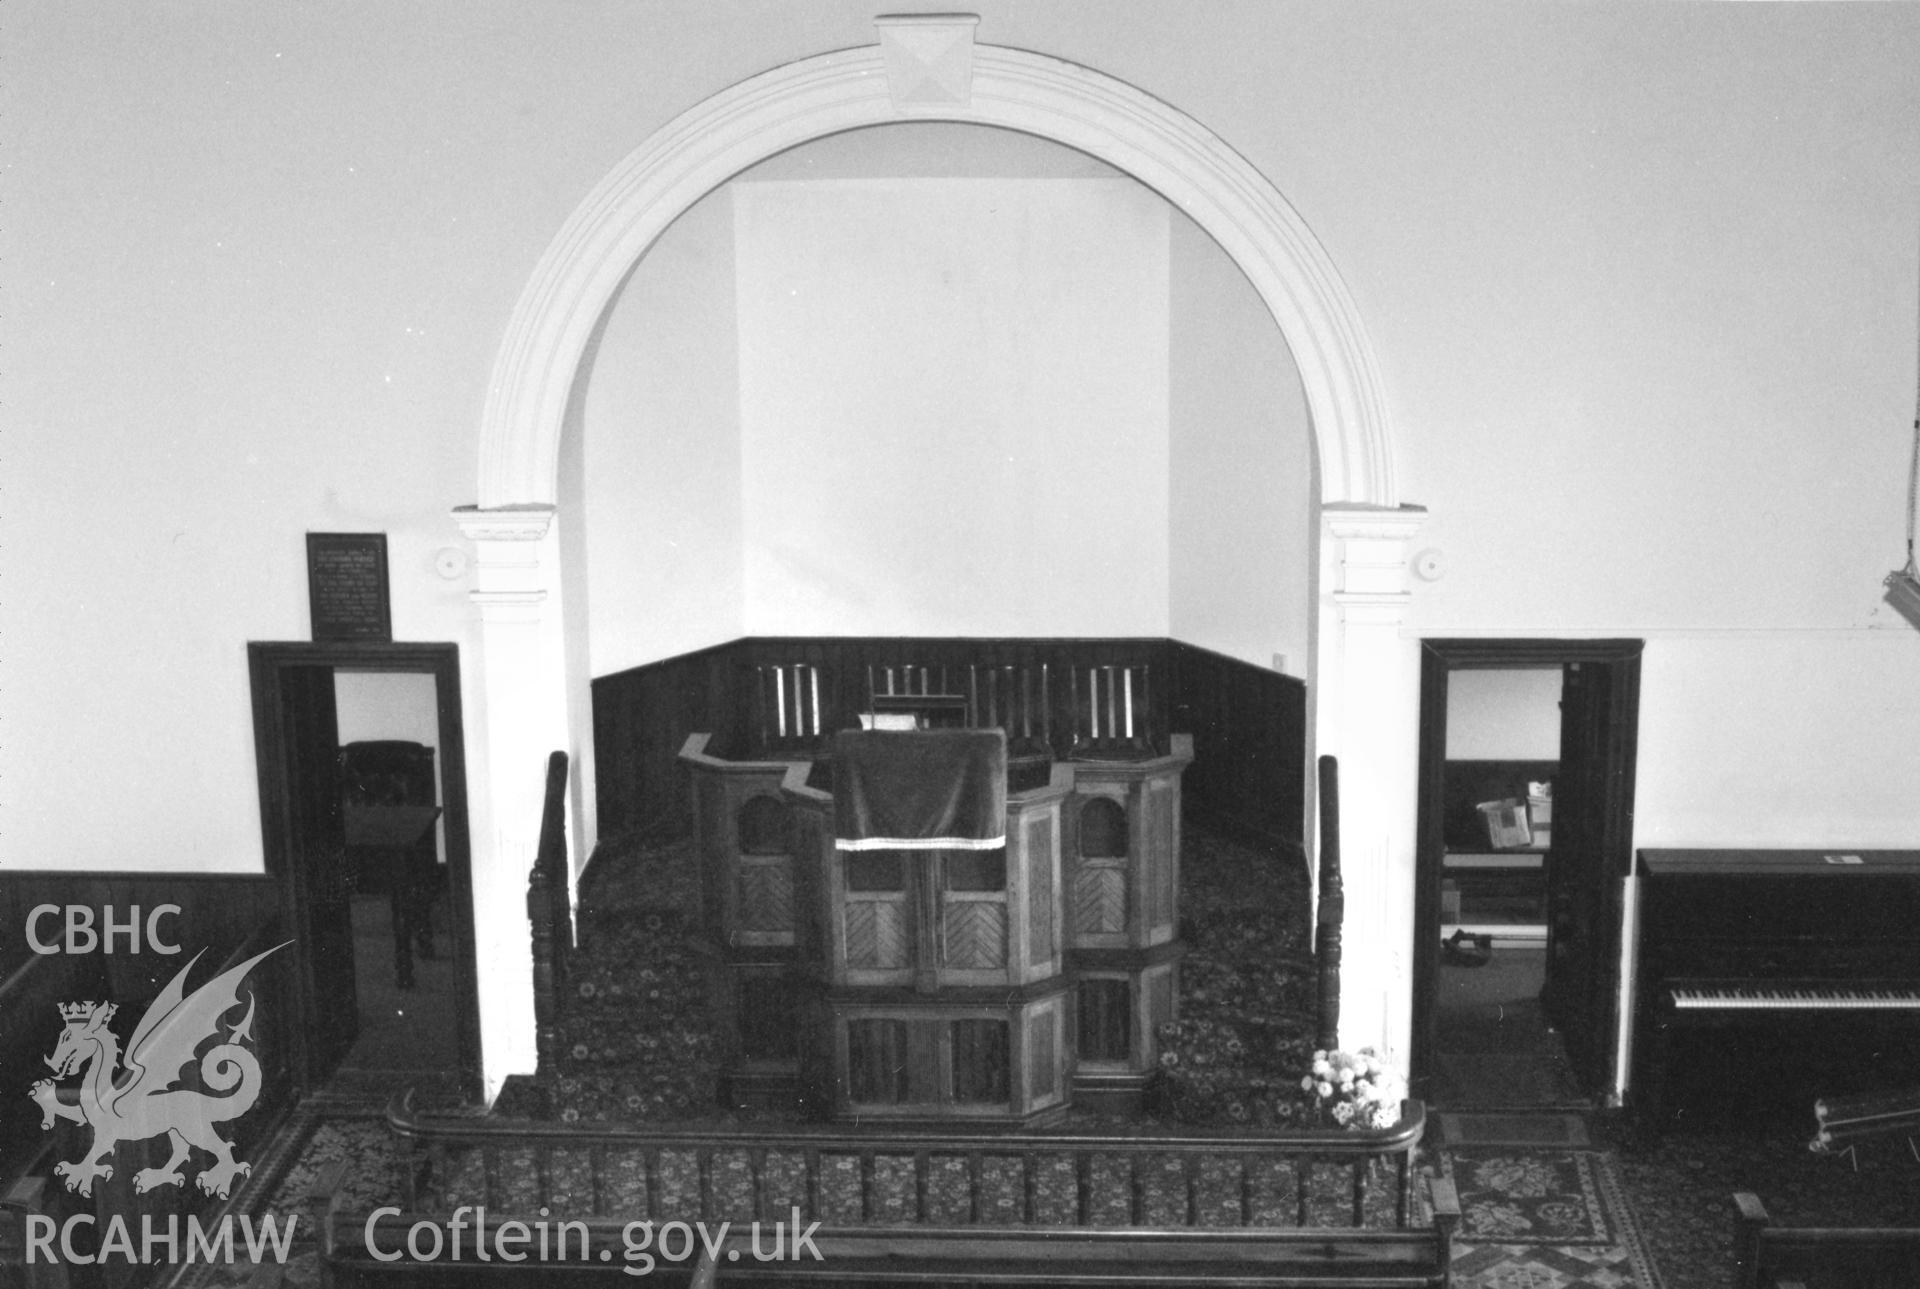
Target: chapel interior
[[1470, 537]]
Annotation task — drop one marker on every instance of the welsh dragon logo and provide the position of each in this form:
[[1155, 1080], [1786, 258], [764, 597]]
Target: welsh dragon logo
[[141, 1101]]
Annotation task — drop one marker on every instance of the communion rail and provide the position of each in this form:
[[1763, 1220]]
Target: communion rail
[[1309, 1207]]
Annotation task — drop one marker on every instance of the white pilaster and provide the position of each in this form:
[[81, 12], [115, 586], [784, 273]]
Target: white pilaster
[[1367, 715], [523, 678]]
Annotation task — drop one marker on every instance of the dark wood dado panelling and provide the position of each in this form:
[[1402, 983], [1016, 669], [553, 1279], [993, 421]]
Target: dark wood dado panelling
[[216, 911], [1055, 702], [1249, 726], [1249, 723], [642, 716]]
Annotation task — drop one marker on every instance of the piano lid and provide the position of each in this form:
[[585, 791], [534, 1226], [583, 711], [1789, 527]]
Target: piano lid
[[1837, 862]]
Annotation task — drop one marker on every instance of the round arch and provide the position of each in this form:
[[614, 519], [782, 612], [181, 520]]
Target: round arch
[[531, 692], [1162, 147]]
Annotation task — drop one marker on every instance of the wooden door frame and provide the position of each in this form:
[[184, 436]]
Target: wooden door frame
[[266, 661], [1438, 659]]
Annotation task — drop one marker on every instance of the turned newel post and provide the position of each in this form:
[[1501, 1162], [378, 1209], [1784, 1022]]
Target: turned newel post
[[546, 1033], [1332, 908], [550, 910]]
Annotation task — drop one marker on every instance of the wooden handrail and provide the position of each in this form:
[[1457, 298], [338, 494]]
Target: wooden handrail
[[468, 1130]]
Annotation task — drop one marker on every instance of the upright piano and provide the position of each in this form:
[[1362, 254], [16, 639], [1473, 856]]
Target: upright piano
[[1768, 976]]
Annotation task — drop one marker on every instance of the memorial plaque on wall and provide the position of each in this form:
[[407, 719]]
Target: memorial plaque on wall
[[347, 586]]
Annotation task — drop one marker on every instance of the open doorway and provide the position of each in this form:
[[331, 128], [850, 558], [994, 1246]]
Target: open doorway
[[1493, 1043], [1526, 782], [363, 807]]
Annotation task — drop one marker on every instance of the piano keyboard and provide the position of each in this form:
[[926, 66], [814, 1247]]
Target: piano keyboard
[[1796, 998]]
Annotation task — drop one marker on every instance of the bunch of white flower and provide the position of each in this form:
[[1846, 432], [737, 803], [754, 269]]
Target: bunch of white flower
[[1358, 1089]]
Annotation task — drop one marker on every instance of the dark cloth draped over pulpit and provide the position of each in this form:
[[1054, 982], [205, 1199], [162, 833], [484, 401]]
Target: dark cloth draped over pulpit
[[920, 789]]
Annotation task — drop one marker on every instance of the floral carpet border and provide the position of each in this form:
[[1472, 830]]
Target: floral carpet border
[[1551, 1216]]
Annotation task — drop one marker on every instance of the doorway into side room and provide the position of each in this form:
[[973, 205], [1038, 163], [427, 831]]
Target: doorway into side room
[[393, 816], [1525, 798], [363, 805]]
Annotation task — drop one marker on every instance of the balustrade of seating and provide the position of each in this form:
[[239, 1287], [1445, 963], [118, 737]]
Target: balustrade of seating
[[1331, 1178], [1304, 1209]]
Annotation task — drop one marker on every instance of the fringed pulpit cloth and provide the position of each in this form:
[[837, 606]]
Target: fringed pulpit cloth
[[920, 789]]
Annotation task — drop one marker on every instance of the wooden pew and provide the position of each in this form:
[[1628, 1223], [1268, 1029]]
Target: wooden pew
[[1830, 1257]]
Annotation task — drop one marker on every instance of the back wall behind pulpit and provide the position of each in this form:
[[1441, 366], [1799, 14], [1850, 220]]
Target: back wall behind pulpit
[[941, 380]]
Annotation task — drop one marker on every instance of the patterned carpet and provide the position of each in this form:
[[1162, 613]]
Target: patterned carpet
[[1544, 1218], [637, 1040], [1680, 1187], [1550, 1200], [283, 1178]]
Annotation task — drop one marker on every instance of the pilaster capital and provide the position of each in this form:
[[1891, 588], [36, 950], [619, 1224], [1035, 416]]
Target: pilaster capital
[[510, 570], [1367, 549], [1348, 520], [518, 523]]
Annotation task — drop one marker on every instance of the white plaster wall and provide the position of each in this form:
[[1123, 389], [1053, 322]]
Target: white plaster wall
[[386, 705], [660, 410], [1242, 470], [241, 304], [660, 422], [1795, 739], [953, 403], [1504, 715], [1641, 282]]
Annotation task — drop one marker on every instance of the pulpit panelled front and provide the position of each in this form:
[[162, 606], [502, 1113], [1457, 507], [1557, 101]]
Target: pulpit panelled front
[[945, 919], [1124, 874], [941, 983], [986, 1060], [990, 980]]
